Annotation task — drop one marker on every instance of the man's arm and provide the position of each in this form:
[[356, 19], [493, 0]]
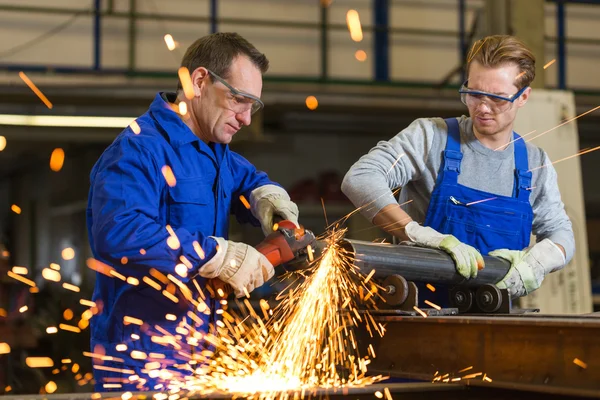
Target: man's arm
[[550, 221], [125, 217]]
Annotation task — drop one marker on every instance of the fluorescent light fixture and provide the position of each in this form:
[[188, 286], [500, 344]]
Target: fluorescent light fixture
[[65, 121]]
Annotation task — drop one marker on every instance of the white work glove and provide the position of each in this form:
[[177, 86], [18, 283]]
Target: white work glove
[[529, 267], [270, 200], [239, 265], [466, 258]]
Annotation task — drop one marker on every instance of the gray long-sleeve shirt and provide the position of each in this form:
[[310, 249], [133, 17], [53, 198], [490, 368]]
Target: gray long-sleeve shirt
[[412, 159]]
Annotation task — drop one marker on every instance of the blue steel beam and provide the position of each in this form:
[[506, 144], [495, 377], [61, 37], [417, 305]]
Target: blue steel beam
[[381, 43]]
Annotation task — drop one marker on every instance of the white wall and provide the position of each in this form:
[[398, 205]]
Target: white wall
[[292, 51]]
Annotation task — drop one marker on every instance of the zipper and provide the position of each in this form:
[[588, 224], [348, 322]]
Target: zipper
[[458, 203]]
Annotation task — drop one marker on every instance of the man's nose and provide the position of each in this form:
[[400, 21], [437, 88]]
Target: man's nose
[[244, 118], [483, 108]]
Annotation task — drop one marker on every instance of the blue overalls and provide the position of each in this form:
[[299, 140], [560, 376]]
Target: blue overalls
[[502, 223]]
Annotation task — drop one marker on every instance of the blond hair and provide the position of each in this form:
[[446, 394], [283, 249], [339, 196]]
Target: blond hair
[[498, 50]]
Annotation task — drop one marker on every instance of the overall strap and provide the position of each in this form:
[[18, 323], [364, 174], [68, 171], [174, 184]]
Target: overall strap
[[522, 185], [452, 155]]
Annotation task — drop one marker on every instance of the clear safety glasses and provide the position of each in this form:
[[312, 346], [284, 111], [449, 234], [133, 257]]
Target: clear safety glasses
[[497, 104], [240, 102]]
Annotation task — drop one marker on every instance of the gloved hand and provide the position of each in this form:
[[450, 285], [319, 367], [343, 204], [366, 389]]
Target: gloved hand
[[239, 265], [529, 267], [270, 200], [467, 259]]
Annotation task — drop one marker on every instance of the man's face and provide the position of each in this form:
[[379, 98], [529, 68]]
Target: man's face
[[213, 105], [501, 81]]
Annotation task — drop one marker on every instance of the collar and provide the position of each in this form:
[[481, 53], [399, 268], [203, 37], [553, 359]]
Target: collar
[[177, 131]]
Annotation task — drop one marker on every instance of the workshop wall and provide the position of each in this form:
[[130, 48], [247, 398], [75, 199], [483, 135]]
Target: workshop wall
[[293, 51]]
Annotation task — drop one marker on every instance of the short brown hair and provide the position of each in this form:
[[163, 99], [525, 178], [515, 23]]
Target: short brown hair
[[497, 50], [216, 52]]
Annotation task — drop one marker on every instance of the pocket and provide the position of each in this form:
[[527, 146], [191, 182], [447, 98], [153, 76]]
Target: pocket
[[192, 206]]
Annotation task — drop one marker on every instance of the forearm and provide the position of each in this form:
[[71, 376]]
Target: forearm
[[393, 219]]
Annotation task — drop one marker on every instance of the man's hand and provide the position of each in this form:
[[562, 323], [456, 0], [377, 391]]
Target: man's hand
[[268, 201], [239, 265], [466, 258], [529, 267]]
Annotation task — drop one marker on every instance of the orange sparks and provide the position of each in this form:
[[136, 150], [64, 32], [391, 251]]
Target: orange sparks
[[481, 201], [124, 260], [311, 103], [487, 379], [471, 376], [549, 63], [19, 270], [68, 253], [564, 123], [68, 314], [379, 395], [87, 303], [51, 275], [353, 21], [388, 395], [433, 305], [143, 252], [360, 55], [417, 309], [2, 143], [430, 287], [16, 209], [117, 275], [57, 159], [465, 369], [151, 283], [39, 362], [396, 162], [126, 395], [370, 275], [580, 363], [520, 75], [69, 328], [111, 386], [135, 127], [99, 266], [55, 266], [51, 329], [111, 369], [71, 287], [3, 313], [245, 202], [186, 82], [21, 278], [182, 108], [131, 320], [50, 387], [121, 347], [198, 250], [133, 281], [170, 296], [23, 309], [181, 270], [170, 317], [34, 290], [35, 90], [170, 42], [138, 355], [168, 174], [4, 348], [567, 158]]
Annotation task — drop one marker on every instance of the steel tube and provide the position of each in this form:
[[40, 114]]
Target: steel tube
[[419, 264]]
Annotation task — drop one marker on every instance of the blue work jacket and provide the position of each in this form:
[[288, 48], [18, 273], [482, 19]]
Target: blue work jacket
[[129, 206]]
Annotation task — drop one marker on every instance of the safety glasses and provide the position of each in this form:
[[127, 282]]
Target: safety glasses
[[240, 102], [497, 104]]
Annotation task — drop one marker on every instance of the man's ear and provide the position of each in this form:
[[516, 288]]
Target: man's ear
[[524, 97], [199, 77]]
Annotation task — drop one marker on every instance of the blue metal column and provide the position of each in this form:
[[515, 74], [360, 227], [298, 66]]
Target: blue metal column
[[561, 49], [97, 33], [462, 40], [381, 45], [213, 16]]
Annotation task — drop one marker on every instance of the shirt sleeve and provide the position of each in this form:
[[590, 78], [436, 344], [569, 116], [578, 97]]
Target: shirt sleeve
[[550, 221], [246, 178], [389, 165], [126, 230]]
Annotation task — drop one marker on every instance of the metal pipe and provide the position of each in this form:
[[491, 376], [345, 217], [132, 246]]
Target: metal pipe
[[419, 264], [562, 56], [97, 32]]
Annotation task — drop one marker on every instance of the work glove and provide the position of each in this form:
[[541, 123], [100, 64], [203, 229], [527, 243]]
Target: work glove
[[239, 265], [268, 201], [466, 258], [529, 267]]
